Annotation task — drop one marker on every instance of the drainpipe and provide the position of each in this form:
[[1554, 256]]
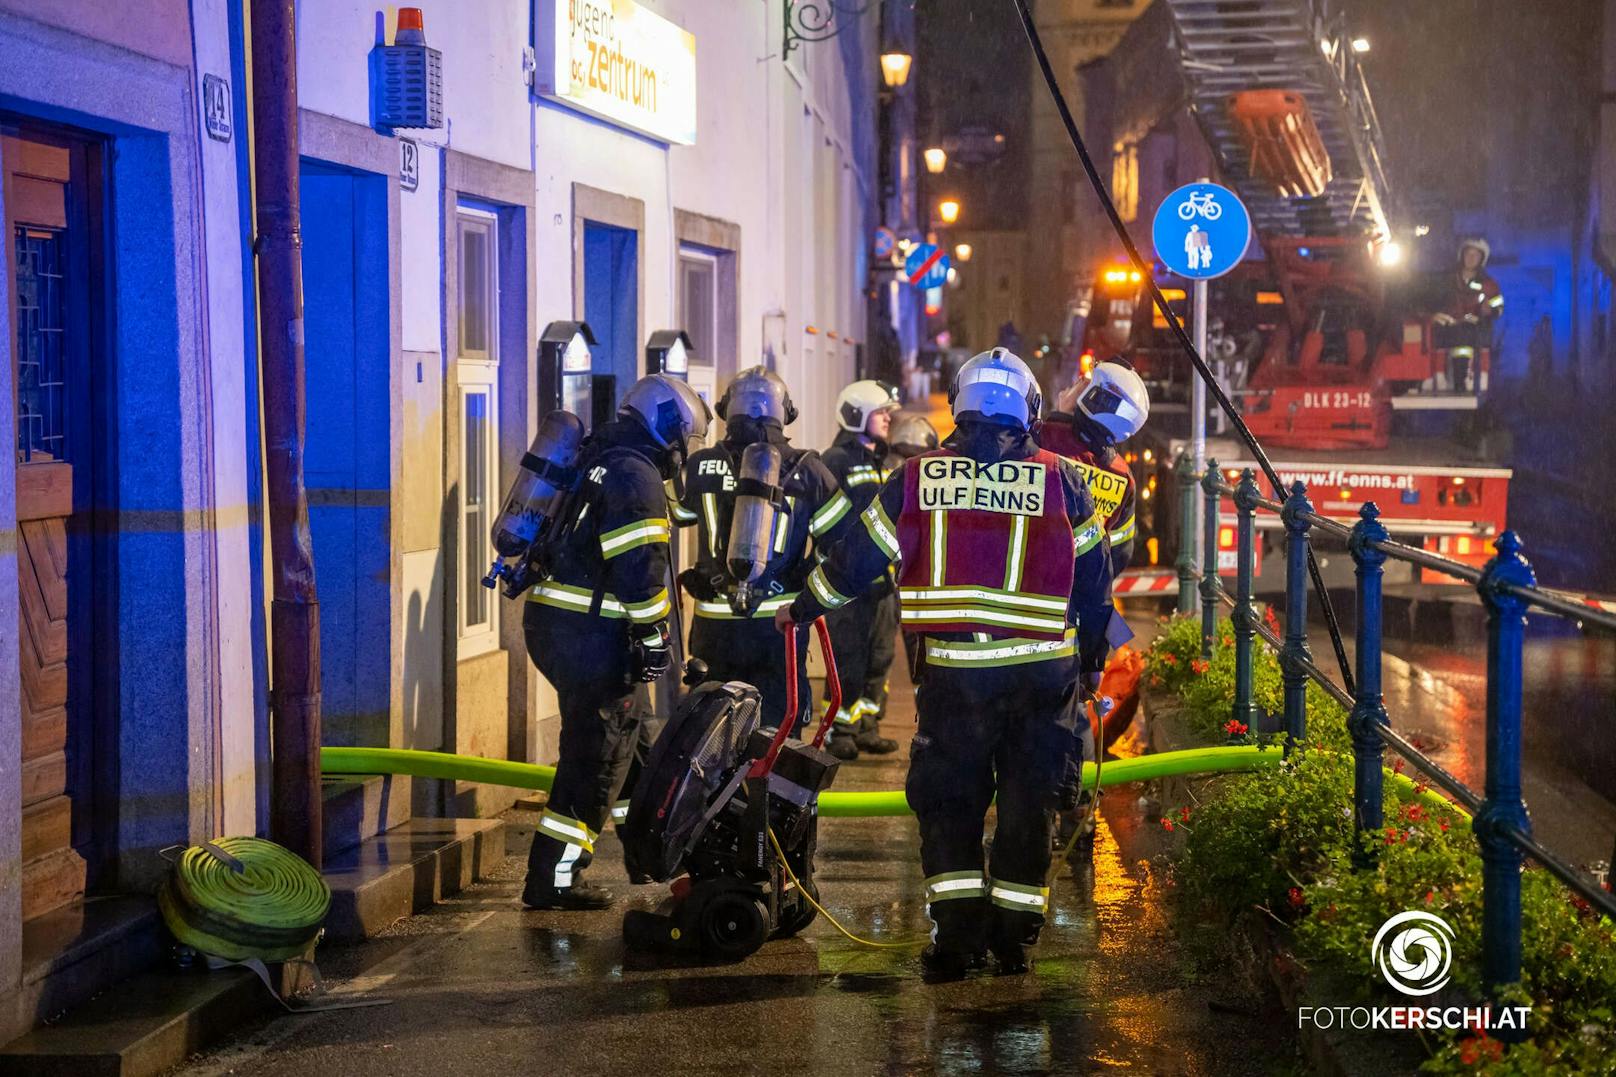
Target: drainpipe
[[294, 630]]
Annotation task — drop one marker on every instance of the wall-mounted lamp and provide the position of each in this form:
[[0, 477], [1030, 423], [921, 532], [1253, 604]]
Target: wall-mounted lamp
[[816, 20], [895, 68], [936, 159], [948, 210], [962, 251]]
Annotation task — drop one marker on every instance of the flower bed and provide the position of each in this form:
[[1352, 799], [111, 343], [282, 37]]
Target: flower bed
[[1279, 844]]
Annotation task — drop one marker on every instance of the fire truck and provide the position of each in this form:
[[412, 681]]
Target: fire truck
[[1343, 371]]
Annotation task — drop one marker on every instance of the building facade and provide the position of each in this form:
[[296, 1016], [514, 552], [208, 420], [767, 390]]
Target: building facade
[[730, 196]]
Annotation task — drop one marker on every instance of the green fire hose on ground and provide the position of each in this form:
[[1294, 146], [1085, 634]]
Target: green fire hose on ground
[[832, 804]]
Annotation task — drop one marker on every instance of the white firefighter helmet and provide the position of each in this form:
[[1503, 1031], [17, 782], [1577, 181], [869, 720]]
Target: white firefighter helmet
[[760, 393], [1480, 244], [912, 434], [862, 399], [998, 386], [1114, 396], [668, 408]]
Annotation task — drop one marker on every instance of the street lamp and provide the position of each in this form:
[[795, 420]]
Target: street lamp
[[1360, 45], [962, 251], [895, 68], [936, 159], [948, 210]]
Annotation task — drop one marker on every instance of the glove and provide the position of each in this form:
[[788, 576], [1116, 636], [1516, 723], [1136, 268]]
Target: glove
[[649, 655]]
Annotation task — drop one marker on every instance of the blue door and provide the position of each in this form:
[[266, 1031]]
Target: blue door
[[345, 288], [612, 300]]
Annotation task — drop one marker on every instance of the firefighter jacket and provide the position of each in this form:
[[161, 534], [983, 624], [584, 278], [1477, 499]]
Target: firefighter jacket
[[1003, 554], [813, 510], [859, 471], [1476, 299], [613, 561], [1109, 479]]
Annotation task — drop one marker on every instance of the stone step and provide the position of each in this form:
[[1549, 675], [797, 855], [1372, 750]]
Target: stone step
[[406, 870], [154, 1021]]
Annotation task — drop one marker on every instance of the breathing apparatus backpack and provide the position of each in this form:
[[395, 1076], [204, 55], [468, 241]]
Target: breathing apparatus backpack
[[745, 569], [541, 505]]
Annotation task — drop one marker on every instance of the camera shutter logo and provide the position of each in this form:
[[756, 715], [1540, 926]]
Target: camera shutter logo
[[1414, 951]]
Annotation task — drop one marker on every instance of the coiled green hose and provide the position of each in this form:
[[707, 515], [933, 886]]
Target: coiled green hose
[[243, 898]]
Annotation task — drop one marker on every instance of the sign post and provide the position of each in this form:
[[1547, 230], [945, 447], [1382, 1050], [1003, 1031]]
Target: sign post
[[1201, 231]]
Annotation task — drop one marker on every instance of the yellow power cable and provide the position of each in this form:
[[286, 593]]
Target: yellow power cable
[[780, 854]]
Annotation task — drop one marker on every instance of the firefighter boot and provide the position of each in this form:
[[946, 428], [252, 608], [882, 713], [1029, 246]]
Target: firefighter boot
[[1008, 939], [577, 897], [842, 743], [869, 738], [945, 966]]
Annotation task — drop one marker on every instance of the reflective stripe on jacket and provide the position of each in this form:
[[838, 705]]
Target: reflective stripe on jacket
[[986, 547]]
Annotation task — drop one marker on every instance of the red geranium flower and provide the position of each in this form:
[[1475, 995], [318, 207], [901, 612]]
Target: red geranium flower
[[1200, 665], [1167, 824], [1295, 896], [1234, 726], [1184, 813]]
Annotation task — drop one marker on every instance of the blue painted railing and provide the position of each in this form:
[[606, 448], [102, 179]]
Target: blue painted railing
[[1508, 590]]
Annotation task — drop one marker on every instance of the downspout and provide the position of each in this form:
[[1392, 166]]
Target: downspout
[[294, 630]]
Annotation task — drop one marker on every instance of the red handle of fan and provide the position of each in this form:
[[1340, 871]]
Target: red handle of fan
[[793, 702]]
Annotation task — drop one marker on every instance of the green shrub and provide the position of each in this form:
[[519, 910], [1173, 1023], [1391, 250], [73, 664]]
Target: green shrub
[[1282, 840]]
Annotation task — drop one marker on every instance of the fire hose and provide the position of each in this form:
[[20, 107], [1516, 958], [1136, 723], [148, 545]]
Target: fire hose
[[832, 804]]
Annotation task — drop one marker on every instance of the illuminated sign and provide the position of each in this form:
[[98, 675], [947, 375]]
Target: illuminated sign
[[619, 61]]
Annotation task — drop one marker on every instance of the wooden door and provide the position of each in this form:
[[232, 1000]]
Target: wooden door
[[39, 242]]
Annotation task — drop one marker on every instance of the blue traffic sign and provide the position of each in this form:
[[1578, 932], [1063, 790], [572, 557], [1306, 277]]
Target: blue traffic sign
[[1201, 231], [926, 266], [885, 240]]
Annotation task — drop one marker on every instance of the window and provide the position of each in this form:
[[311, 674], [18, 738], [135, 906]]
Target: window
[[479, 284], [477, 412], [1125, 179], [698, 303]]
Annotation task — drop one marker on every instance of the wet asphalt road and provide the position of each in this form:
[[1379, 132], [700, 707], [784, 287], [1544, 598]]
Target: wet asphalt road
[[481, 986]]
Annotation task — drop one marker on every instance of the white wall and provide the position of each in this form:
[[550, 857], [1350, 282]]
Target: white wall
[[774, 154]]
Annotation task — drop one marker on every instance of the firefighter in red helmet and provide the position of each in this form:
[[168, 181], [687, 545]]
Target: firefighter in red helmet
[[1466, 314], [1005, 579]]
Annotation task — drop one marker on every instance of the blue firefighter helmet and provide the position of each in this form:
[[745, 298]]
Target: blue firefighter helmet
[[998, 386]]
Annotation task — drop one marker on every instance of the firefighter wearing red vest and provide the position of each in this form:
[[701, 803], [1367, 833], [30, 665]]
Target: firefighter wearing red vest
[[1005, 579], [1091, 419]]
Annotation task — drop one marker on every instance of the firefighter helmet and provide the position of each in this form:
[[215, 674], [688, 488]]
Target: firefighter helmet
[[863, 399], [1480, 244], [998, 386], [1115, 398], [668, 408], [912, 434], [760, 393]]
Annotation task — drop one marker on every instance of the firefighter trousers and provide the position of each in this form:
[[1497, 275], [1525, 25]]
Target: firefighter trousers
[[864, 636], [753, 650], [586, 660], [1010, 735]]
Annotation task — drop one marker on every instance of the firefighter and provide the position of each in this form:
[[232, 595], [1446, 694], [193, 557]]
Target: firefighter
[[597, 625], [863, 633], [1006, 581], [1091, 419], [741, 644], [911, 435], [1473, 303]]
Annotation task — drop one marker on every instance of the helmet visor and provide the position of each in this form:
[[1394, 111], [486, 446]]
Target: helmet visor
[[1101, 400]]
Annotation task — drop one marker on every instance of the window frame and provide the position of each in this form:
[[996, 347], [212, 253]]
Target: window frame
[[689, 252], [476, 374]]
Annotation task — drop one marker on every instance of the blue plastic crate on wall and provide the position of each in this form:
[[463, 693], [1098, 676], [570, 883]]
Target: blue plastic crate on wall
[[406, 86]]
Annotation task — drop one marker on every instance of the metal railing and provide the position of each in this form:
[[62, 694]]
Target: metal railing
[[1508, 590]]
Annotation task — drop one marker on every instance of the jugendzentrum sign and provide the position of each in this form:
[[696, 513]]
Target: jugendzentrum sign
[[619, 61]]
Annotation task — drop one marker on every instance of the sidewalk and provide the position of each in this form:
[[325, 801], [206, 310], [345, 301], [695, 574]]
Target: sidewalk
[[481, 986]]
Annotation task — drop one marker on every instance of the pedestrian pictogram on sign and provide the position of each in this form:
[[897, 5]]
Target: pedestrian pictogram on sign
[[927, 266], [1201, 231]]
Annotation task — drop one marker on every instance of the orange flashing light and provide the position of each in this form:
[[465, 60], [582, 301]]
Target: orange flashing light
[[409, 18], [1270, 299], [1173, 295], [1085, 362], [1225, 538]]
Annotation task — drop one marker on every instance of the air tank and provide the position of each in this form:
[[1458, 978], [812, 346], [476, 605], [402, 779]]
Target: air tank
[[546, 473], [751, 530]]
